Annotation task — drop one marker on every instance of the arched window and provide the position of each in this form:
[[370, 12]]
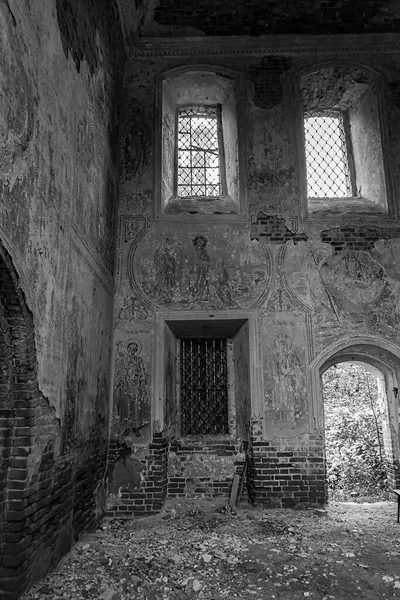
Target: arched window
[[200, 161], [327, 155], [198, 168], [343, 141]]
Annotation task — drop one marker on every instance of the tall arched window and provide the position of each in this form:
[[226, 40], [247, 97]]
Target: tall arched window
[[198, 155], [343, 140]]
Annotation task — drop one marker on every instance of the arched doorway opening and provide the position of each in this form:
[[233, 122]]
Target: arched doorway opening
[[382, 358], [355, 412]]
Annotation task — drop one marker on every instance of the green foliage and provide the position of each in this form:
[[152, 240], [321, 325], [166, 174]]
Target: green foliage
[[353, 432]]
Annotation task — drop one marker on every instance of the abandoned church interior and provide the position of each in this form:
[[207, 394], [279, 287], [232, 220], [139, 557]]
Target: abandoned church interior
[[199, 216]]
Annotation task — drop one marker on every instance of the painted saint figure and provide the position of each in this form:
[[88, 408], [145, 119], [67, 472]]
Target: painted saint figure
[[132, 385], [200, 269], [221, 285], [290, 377], [165, 265]]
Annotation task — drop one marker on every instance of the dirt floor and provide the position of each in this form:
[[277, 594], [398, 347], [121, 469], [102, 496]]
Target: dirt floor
[[203, 550]]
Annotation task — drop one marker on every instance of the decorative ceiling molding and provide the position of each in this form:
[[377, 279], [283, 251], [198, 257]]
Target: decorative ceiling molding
[[387, 43]]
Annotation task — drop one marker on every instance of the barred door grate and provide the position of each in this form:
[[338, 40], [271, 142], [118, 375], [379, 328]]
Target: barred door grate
[[204, 387]]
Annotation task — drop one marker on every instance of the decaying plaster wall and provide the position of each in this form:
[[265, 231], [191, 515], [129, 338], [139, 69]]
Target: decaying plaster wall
[[59, 85], [313, 282]]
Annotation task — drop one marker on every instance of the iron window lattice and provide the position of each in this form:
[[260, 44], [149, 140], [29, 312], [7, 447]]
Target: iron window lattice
[[204, 387], [326, 148], [199, 152]]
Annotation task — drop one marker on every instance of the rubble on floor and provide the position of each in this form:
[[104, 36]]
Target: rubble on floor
[[204, 550]]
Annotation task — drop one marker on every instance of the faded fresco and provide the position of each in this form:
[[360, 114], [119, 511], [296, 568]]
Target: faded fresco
[[199, 271], [351, 291], [131, 391], [284, 368]]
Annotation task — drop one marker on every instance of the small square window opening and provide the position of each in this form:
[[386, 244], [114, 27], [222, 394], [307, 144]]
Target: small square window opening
[[326, 148], [199, 152], [204, 387]]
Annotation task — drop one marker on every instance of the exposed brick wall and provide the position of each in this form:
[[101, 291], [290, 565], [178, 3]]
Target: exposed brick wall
[[393, 474], [47, 514], [277, 16], [151, 493], [392, 463], [275, 230], [287, 473], [280, 473], [211, 475], [356, 237], [46, 500]]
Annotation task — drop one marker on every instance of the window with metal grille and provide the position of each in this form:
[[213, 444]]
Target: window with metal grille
[[204, 387], [199, 152], [328, 173]]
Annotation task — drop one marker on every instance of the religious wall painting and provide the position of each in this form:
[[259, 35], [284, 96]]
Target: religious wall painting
[[133, 227], [199, 271], [131, 391], [132, 315], [354, 278], [346, 291], [135, 150], [359, 285], [285, 364]]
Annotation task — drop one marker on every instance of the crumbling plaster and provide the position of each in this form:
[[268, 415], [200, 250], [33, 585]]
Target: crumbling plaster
[[313, 281], [58, 172], [58, 186]]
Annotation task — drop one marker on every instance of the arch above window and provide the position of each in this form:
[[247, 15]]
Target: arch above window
[[198, 164]]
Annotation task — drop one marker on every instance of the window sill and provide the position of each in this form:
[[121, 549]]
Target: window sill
[[338, 209], [220, 205]]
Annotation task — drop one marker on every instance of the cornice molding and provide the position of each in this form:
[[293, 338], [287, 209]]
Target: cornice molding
[[185, 47]]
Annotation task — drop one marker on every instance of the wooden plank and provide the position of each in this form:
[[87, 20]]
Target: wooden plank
[[241, 485], [234, 490]]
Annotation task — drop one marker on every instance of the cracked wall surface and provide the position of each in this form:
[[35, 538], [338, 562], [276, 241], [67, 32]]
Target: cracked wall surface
[[312, 281], [60, 75]]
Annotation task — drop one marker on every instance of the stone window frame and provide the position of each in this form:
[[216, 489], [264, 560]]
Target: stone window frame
[[232, 323], [341, 209], [216, 86]]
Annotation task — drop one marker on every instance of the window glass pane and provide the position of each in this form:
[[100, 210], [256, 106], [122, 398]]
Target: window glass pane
[[198, 150], [183, 158], [326, 155]]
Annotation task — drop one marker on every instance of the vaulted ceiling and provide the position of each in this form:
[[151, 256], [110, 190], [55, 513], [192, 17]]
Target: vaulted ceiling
[[177, 18]]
